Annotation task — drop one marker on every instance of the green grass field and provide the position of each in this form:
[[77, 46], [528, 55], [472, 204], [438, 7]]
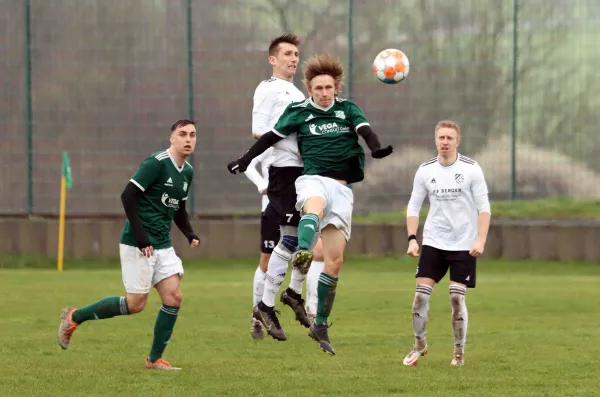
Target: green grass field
[[534, 330]]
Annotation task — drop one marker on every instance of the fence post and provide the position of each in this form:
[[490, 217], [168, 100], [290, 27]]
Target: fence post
[[350, 48], [28, 108], [190, 72], [513, 154]]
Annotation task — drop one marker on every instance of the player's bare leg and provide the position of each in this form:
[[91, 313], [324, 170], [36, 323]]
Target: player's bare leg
[[334, 244], [420, 316], [256, 328], [460, 320], [312, 280], [171, 297]]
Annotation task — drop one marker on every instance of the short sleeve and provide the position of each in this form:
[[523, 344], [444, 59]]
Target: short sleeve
[[146, 174], [263, 103], [288, 122], [356, 116], [478, 183]]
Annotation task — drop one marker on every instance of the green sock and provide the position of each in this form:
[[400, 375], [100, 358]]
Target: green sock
[[308, 226], [325, 295], [105, 308], [163, 328]]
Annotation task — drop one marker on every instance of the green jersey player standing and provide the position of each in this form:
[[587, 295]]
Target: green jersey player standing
[[327, 129], [154, 197]]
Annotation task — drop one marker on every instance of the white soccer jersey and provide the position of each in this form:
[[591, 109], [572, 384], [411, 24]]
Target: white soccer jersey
[[457, 193], [271, 98]]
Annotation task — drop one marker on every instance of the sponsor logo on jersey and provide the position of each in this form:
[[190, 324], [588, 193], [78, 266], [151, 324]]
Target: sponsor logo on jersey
[[169, 202], [327, 128]]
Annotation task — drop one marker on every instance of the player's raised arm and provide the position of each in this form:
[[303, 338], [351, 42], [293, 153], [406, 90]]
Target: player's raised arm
[[363, 128], [265, 142], [263, 103]]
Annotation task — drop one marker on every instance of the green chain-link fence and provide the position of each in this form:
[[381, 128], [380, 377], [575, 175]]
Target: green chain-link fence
[[104, 81]]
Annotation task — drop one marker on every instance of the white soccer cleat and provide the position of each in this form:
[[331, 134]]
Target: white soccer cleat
[[458, 359], [412, 358]]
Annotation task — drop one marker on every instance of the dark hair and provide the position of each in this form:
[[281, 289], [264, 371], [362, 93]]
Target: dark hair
[[182, 123], [286, 38]]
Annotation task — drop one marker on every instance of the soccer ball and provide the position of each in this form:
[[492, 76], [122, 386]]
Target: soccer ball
[[390, 66]]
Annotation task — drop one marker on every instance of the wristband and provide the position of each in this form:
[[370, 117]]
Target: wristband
[[412, 237]]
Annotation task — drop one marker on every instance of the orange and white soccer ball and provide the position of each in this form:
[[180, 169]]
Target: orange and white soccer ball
[[391, 66]]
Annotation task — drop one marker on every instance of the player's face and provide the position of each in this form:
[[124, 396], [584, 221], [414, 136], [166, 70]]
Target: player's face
[[446, 141], [286, 60], [322, 89], [183, 140]]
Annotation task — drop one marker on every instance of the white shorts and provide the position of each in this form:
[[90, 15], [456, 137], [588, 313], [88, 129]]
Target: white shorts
[[339, 201], [140, 274]]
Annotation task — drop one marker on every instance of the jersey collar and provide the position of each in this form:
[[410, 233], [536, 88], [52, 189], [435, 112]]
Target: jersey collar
[[174, 163], [313, 104], [450, 165]]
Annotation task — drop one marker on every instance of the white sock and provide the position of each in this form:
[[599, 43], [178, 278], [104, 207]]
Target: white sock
[[258, 285], [460, 316], [420, 311], [278, 265], [312, 282], [296, 281]]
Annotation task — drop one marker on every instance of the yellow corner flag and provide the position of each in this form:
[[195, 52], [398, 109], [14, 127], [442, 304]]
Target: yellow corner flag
[[65, 183]]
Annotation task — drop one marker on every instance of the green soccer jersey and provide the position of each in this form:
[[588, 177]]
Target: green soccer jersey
[[164, 185], [327, 138]]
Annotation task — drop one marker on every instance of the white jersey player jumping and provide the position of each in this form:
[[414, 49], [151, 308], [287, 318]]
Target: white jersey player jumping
[[454, 234], [280, 218]]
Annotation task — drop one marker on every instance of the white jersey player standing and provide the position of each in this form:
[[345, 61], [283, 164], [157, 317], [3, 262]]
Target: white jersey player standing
[[454, 234], [280, 217]]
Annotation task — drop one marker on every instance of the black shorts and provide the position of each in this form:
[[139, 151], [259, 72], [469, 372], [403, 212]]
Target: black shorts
[[282, 196], [434, 264], [269, 232]]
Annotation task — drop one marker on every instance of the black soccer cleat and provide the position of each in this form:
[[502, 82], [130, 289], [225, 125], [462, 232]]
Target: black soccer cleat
[[319, 334], [294, 300], [268, 318]]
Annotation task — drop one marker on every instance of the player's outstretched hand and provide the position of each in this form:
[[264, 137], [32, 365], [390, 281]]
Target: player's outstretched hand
[[382, 152], [237, 166], [413, 248]]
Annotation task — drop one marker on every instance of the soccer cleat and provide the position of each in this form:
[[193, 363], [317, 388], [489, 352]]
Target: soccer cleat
[[256, 329], [268, 318], [67, 327], [319, 334], [292, 299], [160, 364], [412, 358], [458, 359], [301, 260]]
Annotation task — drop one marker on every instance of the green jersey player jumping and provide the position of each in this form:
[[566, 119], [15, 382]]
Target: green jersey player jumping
[[154, 197], [327, 129]]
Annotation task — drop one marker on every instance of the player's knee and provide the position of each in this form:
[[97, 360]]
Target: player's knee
[[457, 296], [318, 255], [136, 303], [173, 298], [289, 243]]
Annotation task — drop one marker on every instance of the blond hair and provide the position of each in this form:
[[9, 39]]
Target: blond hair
[[448, 124], [323, 64]]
